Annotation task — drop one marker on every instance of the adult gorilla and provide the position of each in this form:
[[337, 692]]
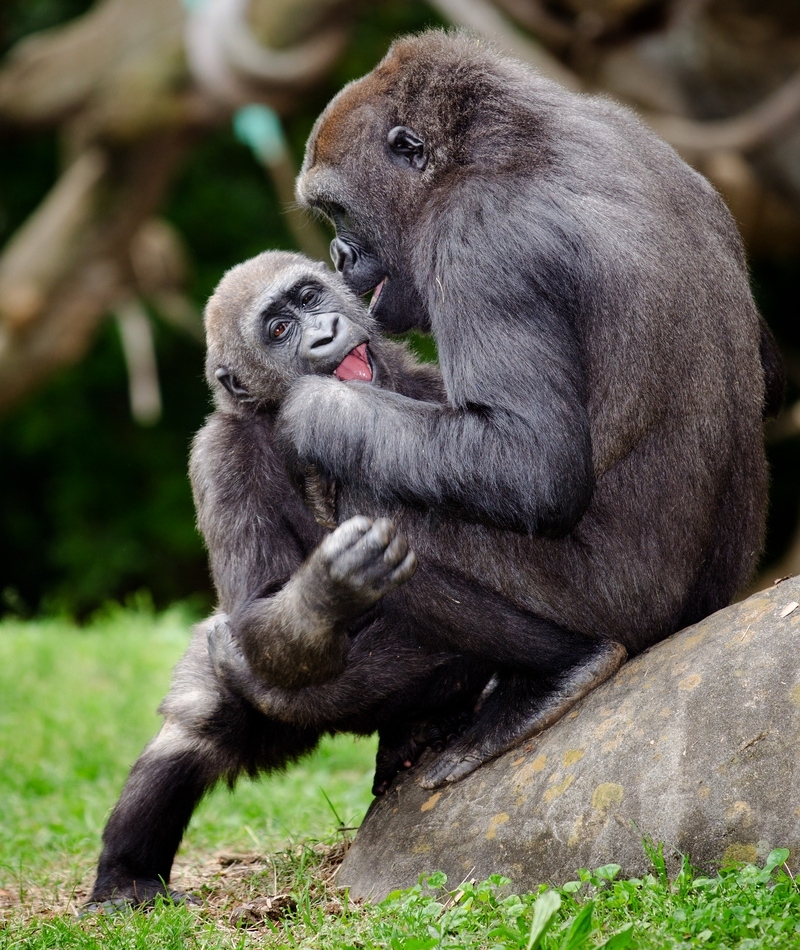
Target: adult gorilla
[[605, 366]]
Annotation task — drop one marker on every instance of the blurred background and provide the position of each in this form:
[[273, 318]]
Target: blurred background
[[147, 145]]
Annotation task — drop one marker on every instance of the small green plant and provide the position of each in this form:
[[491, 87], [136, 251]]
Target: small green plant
[[488, 915]]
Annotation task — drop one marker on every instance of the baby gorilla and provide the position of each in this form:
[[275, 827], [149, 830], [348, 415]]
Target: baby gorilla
[[319, 651]]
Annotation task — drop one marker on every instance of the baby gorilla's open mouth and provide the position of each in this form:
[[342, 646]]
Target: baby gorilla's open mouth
[[355, 365]]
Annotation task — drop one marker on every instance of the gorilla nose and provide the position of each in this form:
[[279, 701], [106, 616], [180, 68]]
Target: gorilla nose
[[322, 334], [342, 255]]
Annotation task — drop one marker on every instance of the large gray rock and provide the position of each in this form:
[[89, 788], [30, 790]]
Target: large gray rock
[[695, 743]]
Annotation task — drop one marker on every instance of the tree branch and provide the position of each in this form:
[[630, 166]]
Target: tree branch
[[742, 133]]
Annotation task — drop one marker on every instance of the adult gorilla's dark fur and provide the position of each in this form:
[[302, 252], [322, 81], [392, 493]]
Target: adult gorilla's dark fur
[[295, 599], [606, 369]]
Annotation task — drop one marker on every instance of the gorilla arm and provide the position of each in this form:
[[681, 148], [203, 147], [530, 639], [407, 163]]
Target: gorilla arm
[[288, 612], [297, 636], [512, 445], [513, 456]]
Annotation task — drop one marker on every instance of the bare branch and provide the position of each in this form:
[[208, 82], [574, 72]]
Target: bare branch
[[38, 254], [117, 64], [159, 265], [535, 18], [136, 334], [73, 292], [228, 61], [260, 128], [743, 133]]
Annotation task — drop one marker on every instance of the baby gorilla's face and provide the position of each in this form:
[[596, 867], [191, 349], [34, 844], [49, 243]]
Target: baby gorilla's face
[[278, 317]]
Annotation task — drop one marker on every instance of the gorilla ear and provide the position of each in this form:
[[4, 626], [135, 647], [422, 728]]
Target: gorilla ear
[[407, 148], [232, 384]]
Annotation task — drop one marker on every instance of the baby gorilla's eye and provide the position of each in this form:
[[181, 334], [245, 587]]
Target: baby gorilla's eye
[[308, 296], [278, 329]]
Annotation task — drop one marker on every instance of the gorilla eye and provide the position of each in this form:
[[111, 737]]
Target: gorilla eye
[[308, 296], [278, 328]]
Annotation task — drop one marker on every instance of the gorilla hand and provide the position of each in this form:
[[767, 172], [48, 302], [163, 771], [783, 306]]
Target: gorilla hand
[[326, 424], [312, 404], [361, 561], [297, 636]]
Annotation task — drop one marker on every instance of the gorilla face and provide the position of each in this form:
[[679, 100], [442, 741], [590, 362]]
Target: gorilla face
[[371, 207], [280, 317], [394, 303]]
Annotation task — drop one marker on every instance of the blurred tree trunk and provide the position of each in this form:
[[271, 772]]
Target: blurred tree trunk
[[117, 84]]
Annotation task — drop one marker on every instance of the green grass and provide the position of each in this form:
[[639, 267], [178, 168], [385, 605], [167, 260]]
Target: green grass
[[76, 708], [77, 705]]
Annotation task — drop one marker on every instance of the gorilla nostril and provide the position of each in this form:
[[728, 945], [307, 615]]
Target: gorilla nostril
[[324, 332], [320, 341], [343, 255]]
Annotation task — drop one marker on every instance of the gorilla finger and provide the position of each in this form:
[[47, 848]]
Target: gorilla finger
[[355, 527], [384, 574], [366, 554], [345, 536], [405, 571], [381, 534], [396, 550]]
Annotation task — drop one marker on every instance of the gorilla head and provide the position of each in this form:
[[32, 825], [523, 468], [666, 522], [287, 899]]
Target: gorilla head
[[280, 316], [390, 149]]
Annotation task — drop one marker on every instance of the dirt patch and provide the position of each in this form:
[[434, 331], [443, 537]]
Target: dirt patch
[[243, 889]]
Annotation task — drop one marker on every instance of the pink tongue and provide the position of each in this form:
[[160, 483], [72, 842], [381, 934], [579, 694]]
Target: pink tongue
[[355, 365]]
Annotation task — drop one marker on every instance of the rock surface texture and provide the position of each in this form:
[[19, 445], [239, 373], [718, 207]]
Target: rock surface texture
[[695, 743]]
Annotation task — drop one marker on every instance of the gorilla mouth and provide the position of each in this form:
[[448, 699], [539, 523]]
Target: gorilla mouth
[[356, 365], [376, 292]]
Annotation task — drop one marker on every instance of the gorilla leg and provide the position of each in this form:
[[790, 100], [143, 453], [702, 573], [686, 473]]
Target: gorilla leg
[[388, 675], [415, 699], [542, 667], [208, 734], [148, 822], [518, 707]]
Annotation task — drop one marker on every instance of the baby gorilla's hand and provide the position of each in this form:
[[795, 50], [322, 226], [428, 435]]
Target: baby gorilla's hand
[[365, 559]]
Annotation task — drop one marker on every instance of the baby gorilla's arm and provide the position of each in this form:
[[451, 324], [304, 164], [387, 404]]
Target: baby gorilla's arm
[[296, 637]]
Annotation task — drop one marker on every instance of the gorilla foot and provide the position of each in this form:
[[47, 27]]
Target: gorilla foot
[[399, 749], [122, 903], [518, 709], [453, 764]]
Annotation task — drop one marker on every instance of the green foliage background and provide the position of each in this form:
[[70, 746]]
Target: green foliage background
[[93, 507]]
